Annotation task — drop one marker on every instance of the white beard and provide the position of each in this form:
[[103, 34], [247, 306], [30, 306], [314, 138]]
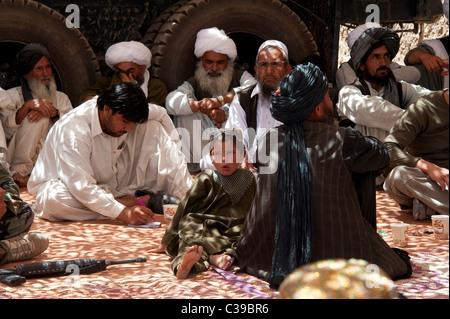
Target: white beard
[[43, 91], [214, 85]]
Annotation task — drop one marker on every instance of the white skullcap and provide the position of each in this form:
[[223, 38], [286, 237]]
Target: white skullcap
[[356, 33], [446, 8], [275, 43], [216, 40], [128, 51]]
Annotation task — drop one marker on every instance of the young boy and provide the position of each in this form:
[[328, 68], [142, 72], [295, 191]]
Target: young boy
[[207, 224]]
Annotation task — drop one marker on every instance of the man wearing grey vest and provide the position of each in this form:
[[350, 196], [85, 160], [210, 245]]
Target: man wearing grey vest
[[200, 104]]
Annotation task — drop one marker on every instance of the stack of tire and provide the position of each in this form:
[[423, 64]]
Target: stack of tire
[[172, 35], [73, 60]]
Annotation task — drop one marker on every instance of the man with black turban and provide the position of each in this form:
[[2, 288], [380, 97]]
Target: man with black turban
[[306, 206], [376, 99], [34, 106]]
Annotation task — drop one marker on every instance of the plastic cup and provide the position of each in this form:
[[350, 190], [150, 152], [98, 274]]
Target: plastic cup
[[169, 211], [400, 234], [440, 226]]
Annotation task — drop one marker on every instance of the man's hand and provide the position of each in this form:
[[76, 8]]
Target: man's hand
[[436, 173], [38, 108], [219, 116], [136, 215], [434, 63]]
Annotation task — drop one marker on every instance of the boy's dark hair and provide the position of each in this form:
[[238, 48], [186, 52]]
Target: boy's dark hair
[[126, 98]]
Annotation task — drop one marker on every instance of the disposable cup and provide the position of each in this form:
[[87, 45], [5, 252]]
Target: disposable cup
[[440, 226], [400, 234], [169, 211]]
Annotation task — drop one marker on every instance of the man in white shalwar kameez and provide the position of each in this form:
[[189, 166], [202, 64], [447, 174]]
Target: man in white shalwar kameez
[[376, 99], [90, 168], [34, 107], [5, 100]]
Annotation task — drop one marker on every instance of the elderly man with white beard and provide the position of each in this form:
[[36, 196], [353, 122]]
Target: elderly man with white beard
[[34, 107], [200, 103]]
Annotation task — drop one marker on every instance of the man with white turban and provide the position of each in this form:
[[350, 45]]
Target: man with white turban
[[130, 61], [200, 103], [346, 75], [33, 108]]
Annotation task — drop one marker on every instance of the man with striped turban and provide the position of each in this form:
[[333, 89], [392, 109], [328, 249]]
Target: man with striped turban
[[306, 206]]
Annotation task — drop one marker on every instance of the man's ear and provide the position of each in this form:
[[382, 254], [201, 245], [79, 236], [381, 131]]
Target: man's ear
[[316, 114]]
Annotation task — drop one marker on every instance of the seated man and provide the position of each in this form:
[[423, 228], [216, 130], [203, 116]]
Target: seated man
[[199, 104], [5, 100], [16, 218], [306, 207], [130, 62], [97, 157], [418, 147], [345, 75], [430, 58], [250, 109], [34, 107], [374, 102]]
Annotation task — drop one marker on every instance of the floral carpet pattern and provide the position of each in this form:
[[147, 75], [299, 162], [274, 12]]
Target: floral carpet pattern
[[153, 279]]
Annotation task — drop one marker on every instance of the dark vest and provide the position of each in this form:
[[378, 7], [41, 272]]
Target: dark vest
[[249, 104]]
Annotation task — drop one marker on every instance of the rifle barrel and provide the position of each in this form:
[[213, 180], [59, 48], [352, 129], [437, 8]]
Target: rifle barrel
[[125, 261]]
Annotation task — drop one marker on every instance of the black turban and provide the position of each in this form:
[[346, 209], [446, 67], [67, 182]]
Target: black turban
[[300, 92], [26, 59], [370, 40]]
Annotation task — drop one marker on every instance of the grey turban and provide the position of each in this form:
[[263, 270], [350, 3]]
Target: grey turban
[[372, 38]]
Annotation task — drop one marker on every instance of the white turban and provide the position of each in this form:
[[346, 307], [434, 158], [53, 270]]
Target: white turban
[[216, 40], [356, 33], [275, 43], [131, 51]]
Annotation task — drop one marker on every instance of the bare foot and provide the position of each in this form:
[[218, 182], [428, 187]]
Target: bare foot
[[223, 261], [191, 256]]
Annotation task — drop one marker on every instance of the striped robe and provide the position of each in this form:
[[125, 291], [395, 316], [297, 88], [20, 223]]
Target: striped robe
[[339, 156]]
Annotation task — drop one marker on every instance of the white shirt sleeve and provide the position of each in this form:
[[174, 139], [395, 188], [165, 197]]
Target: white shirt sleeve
[[177, 101], [237, 119], [371, 111]]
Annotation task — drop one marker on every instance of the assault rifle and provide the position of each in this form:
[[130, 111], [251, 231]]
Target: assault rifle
[[18, 275]]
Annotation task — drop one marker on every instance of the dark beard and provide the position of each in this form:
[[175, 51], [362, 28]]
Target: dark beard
[[266, 90], [378, 78]]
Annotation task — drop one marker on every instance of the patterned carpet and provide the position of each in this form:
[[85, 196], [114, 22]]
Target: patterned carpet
[[153, 279]]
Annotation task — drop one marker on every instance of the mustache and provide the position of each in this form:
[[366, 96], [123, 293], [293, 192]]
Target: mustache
[[383, 68], [211, 72]]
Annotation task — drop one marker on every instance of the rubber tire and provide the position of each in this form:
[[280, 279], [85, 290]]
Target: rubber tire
[[173, 48], [71, 55]]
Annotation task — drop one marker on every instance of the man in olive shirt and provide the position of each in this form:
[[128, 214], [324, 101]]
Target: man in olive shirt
[[130, 61], [419, 150]]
